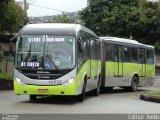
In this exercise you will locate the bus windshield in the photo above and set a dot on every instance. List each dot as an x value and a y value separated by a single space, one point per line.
45 52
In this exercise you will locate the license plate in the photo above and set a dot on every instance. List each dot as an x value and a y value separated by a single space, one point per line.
42 90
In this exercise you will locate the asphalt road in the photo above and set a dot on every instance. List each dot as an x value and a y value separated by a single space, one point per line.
115 102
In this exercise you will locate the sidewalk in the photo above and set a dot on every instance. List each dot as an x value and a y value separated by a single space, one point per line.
153 96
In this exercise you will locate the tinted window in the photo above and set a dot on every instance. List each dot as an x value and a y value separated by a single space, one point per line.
117 53
92 49
133 55
98 50
82 50
120 53
142 55
126 54
108 52
150 57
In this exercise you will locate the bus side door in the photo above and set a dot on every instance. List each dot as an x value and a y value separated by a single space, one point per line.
93 59
142 62
118 63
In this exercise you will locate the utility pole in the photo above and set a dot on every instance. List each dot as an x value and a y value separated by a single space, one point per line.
25 9
25 5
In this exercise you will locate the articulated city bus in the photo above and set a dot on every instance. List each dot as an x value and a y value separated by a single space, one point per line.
57 59
126 63
69 59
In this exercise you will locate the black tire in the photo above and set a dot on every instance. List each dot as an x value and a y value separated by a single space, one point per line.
109 89
81 97
127 89
33 97
106 89
97 90
134 84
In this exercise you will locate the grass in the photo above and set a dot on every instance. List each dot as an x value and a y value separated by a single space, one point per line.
6 76
155 94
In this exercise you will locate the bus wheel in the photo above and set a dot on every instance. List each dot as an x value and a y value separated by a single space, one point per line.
32 97
80 98
97 90
134 84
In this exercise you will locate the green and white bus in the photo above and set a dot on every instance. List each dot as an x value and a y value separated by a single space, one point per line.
57 59
126 63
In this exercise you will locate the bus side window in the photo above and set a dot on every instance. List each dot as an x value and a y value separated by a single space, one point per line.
115 53
118 53
92 49
108 52
97 47
126 54
150 57
133 55
82 48
141 55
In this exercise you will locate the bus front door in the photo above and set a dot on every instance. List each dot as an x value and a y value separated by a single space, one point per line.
142 61
118 65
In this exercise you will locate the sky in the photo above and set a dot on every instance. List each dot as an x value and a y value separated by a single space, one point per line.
63 5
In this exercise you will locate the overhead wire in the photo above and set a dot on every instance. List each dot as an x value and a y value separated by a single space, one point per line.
47 8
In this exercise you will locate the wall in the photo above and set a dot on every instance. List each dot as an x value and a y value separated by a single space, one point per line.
7 66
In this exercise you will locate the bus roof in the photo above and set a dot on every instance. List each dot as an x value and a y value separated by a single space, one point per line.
54 29
125 41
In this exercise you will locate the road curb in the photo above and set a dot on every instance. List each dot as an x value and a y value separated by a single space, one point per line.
147 97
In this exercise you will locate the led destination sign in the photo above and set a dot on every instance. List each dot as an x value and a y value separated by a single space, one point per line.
30 64
36 40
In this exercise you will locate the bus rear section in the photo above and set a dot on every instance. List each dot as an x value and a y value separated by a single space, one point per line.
127 63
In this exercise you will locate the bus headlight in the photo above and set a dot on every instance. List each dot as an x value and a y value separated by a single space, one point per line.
19 81
67 82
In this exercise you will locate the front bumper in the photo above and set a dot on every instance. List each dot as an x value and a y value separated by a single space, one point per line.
51 90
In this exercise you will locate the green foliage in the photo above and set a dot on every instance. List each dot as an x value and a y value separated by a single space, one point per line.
0 68
142 4
123 18
157 47
154 93
10 58
6 76
1 53
12 17
3 8
62 19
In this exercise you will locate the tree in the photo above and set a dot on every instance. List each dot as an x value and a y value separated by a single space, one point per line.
142 4
3 8
123 18
13 17
62 19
